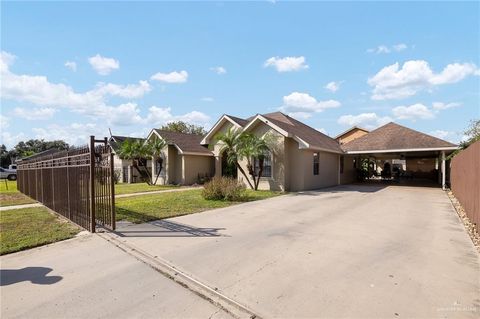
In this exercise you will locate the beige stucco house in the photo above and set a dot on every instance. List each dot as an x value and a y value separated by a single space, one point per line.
302 158
184 160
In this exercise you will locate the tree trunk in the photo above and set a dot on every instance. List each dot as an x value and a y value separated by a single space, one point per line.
244 174
158 174
135 164
260 171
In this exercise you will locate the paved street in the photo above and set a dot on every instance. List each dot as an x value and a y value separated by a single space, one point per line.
351 251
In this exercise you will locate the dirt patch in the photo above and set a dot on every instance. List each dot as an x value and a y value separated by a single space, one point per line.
15 199
469 226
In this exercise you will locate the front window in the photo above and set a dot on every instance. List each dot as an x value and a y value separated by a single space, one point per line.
267 165
316 163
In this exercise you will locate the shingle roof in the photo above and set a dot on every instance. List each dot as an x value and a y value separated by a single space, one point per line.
117 141
313 137
186 142
393 136
239 121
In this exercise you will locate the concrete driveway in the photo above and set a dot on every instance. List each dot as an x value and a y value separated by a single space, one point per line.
87 277
350 251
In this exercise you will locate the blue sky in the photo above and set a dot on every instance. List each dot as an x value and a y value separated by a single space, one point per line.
74 69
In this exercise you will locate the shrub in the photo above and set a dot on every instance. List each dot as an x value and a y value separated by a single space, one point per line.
223 188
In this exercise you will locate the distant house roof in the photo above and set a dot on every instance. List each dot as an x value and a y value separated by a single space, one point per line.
117 140
351 129
308 137
394 137
186 143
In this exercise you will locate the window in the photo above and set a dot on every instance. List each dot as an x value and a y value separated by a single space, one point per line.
159 166
342 162
316 163
267 165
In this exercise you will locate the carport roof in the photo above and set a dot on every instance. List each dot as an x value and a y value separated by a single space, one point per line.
393 137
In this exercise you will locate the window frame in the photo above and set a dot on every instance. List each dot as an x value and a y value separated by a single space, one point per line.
255 163
316 163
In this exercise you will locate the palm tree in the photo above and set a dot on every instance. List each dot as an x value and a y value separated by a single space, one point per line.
231 144
137 152
253 148
155 149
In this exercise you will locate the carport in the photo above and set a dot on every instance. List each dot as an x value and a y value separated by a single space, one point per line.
394 151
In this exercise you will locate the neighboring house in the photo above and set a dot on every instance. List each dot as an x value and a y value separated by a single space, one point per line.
123 167
184 160
351 134
302 158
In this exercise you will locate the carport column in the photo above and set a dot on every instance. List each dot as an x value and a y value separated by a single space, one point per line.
443 170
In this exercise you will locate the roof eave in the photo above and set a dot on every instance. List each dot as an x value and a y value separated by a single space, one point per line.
403 150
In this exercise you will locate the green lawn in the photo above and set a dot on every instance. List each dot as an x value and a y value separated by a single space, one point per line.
31 227
12 196
145 208
125 188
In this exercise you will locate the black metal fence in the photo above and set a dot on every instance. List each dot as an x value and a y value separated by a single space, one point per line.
77 183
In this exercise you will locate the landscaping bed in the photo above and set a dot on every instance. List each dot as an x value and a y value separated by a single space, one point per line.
146 208
31 227
12 196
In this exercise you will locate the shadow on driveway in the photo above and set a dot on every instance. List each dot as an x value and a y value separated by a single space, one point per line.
164 228
36 275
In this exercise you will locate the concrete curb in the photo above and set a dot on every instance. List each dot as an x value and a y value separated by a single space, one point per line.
213 295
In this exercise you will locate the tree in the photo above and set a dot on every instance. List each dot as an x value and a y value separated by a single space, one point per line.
231 142
33 146
183 127
136 151
155 149
5 158
253 148
473 135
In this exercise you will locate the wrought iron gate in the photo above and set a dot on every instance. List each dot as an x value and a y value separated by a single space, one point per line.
77 183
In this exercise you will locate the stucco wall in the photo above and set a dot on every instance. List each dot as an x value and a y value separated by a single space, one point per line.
350 136
277 148
349 171
216 147
194 165
328 170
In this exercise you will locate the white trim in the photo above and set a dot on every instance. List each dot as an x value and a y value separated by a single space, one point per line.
266 121
206 139
195 153
401 150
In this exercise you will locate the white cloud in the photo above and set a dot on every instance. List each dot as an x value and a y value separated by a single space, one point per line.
10 140
39 91
4 122
6 59
125 91
413 112
301 105
43 113
388 49
287 64
322 130
71 65
74 134
207 99
333 86
103 65
219 70
172 77
123 114
366 120
393 82
158 116
443 106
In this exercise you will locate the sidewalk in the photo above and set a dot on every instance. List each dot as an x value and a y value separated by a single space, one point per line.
180 189
87 277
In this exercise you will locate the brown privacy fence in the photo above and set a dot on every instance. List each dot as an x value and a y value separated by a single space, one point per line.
465 180
77 183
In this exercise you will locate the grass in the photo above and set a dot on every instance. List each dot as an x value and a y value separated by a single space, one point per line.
21 229
125 188
146 208
12 196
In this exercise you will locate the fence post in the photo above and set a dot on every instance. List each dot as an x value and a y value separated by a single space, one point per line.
92 183
112 190
53 182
